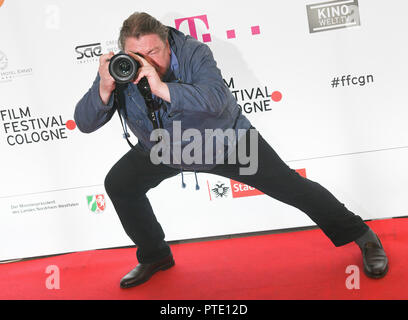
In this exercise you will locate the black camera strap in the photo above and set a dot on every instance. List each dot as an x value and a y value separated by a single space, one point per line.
152 106
119 104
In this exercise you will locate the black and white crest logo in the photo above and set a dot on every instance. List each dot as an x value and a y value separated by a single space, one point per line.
220 190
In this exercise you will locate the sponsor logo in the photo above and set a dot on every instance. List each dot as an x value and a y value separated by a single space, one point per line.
96 203
88 53
333 15
3 61
7 75
192 26
220 190
240 190
21 127
230 189
202 21
223 188
48 206
253 100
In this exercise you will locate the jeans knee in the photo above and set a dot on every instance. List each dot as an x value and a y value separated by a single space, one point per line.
117 184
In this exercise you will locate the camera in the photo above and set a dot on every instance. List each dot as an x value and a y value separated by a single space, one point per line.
123 68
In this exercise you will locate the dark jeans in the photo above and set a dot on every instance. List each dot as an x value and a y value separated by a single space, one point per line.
134 174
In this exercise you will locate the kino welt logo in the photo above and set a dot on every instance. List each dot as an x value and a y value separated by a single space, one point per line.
333 15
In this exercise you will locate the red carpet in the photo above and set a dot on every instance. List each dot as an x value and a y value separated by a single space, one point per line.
296 265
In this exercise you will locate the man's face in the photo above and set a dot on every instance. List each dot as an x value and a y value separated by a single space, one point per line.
153 49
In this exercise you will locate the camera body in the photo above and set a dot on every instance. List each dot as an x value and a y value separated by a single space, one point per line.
123 69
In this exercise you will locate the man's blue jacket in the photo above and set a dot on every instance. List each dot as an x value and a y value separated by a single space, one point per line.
200 99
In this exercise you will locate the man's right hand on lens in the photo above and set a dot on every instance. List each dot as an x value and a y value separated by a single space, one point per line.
107 84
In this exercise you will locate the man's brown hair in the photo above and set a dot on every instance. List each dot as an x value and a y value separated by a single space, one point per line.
140 24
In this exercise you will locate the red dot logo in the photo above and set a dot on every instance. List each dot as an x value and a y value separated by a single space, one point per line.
276 96
71 125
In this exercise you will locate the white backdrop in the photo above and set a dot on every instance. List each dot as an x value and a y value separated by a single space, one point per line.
352 138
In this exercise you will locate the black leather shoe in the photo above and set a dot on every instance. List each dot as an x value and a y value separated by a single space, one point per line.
144 272
375 260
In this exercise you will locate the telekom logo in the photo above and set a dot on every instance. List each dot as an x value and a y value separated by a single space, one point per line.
192 26
231 34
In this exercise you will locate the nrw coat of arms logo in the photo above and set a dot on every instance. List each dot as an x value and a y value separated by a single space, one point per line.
96 203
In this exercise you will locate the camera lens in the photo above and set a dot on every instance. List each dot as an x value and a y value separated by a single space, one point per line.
123 68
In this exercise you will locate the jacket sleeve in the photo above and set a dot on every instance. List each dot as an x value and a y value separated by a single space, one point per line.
90 112
207 91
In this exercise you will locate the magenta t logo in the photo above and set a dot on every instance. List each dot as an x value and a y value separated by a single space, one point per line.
192 26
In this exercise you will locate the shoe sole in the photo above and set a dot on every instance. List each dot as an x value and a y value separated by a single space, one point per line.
162 268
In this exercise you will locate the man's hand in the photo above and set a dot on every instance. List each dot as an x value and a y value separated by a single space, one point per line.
158 87
107 83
